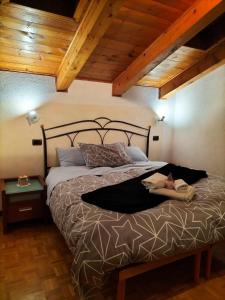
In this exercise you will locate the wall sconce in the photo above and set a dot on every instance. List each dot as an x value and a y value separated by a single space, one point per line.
32 117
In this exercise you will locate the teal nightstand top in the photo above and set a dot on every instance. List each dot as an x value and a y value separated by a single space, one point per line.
12 188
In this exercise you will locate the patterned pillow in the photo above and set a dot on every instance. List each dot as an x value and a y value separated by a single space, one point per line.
108 155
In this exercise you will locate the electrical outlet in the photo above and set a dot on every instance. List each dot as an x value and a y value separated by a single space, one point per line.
155 138
36 142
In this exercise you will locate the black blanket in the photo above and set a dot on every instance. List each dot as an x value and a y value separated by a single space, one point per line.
131 196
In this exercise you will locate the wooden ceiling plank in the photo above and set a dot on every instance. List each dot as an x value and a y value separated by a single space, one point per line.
125 27
124 47
174 3
37 48
103 67
214 58
33 38
91 29
141 18
16 67
110 59
81 10
199 15
155 9
12 23
95 80
20 53
28 61
38 17
133 34
172 66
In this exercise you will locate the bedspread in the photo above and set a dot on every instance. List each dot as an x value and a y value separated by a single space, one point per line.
102 241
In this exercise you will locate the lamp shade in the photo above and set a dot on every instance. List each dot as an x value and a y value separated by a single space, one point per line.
32 117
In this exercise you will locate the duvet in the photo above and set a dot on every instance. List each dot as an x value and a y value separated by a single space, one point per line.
103 241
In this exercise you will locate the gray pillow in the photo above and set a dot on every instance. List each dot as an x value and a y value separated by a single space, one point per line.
108 155
136 153
70 157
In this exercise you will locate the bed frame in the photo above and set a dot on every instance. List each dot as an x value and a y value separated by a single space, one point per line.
134 270
102 126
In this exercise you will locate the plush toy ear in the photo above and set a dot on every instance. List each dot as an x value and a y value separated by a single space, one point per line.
170 177
169 184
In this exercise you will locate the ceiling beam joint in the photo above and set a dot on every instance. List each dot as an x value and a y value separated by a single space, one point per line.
91 29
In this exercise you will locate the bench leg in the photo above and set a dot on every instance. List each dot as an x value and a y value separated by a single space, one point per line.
121 288
197 266
208 262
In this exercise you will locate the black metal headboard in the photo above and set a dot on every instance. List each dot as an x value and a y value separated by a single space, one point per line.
100 125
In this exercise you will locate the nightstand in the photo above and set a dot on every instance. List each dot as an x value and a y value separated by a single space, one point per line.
23 203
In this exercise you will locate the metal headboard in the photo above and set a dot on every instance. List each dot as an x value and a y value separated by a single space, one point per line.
100 125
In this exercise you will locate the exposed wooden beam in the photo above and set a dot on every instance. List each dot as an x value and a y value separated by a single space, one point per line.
96 21
80 10
198 16
214 58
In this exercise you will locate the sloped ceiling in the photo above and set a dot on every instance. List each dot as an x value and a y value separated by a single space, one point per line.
38 40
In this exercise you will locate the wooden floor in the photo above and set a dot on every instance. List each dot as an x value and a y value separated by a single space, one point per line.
35 265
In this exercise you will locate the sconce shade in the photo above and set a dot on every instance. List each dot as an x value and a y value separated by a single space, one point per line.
32 117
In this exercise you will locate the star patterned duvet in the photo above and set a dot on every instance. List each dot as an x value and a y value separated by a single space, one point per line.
102 241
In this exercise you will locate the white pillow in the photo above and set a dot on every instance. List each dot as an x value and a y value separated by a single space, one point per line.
136 153
70 157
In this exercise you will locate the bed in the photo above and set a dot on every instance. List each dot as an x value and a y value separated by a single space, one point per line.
102 241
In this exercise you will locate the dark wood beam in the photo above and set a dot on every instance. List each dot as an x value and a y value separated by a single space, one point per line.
197 17
214 58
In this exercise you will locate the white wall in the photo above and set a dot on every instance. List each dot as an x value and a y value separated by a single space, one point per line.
197 114
20 93
199 124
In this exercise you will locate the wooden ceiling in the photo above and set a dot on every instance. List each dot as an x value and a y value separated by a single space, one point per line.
137 24
173 65
108 41
33 41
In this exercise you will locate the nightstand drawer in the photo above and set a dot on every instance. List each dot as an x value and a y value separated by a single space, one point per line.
25 210
24 197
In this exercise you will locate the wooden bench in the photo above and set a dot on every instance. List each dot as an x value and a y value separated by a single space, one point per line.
137 269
